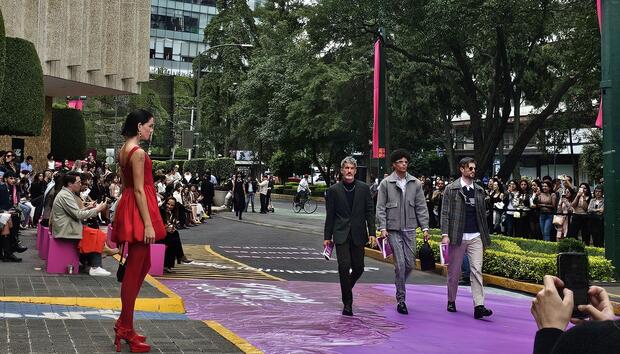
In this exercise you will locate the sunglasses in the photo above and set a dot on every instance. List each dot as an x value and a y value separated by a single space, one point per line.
471 168
8 155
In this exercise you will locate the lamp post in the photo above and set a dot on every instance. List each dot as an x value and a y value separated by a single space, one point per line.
197 80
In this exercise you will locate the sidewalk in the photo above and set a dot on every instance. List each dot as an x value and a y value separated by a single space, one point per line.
61 313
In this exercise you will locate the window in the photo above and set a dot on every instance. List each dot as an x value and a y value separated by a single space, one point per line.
175 20
167 53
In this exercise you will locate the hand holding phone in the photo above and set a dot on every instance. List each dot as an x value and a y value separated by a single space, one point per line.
573 271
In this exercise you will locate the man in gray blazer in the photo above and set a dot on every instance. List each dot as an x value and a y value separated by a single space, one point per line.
401 208
464 228
349 221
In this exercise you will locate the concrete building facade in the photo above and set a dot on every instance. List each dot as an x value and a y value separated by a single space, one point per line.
86 48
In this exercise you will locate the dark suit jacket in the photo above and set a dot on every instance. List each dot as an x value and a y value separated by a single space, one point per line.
5 197
358 221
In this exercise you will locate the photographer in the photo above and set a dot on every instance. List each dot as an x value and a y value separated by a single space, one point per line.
599 334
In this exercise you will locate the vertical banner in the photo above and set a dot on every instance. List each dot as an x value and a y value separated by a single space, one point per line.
378 127
599 117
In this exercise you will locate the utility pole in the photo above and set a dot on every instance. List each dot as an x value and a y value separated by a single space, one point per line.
610 85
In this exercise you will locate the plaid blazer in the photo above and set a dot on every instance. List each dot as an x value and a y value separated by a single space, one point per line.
453 213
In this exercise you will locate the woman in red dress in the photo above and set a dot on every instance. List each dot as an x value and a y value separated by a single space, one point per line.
137 222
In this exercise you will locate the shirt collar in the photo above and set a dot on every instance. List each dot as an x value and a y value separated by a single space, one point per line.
468 186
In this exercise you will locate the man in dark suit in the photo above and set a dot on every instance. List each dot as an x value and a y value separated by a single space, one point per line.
349 222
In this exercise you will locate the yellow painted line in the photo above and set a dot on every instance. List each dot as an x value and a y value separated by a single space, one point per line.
166 305
211 251
239 342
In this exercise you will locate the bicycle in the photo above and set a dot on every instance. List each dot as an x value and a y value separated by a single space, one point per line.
308 205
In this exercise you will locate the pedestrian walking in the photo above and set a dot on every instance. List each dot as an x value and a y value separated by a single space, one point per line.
401 208
349 222
238 192
464 228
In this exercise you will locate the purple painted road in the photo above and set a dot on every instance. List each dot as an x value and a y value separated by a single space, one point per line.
304 317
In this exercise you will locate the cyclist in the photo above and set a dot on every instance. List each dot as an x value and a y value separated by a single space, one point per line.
303 189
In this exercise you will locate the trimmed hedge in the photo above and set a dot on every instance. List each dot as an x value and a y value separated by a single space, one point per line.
220 167
22 106
527 260
68 134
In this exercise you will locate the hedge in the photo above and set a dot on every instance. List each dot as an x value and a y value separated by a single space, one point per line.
22 105
527 260
68 134
220 167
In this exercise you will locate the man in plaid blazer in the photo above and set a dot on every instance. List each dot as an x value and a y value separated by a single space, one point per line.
464 228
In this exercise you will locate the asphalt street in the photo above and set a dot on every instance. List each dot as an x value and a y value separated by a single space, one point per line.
286 245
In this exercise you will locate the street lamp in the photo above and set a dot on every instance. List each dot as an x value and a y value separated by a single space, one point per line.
197 78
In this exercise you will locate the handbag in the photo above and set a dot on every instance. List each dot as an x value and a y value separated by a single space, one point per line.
426 256
92 240
120 272
558 220
516 215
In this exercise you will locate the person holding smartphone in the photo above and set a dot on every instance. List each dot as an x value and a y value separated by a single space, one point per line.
552 312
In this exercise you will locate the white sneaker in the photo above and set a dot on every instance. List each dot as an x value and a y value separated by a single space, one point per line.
98 272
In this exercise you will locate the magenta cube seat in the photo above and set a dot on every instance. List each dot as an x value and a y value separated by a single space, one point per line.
109 241
158 251
61 253
45 241
39 231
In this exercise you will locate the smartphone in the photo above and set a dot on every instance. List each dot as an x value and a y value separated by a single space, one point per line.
573 270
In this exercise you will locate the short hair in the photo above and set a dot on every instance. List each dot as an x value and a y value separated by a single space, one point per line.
465 161
348 160
28 157
69 177
138 116
599 188
547 178
9 174
399 154
49 156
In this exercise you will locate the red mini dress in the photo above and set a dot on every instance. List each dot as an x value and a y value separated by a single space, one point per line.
128 224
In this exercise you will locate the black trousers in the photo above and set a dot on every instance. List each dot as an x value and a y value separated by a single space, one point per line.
597 231
207 204
263 203
350 268
174 248
579 222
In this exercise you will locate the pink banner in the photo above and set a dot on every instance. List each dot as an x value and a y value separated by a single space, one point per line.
76 104
377 77
599 117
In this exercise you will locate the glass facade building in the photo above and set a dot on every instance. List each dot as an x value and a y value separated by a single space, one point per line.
177 32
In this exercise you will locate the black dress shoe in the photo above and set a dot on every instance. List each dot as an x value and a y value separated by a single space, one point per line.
451 306
11 258
347 310
20 249
481 311
402 308
465 282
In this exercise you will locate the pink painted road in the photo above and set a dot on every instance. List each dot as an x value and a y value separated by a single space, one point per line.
304 317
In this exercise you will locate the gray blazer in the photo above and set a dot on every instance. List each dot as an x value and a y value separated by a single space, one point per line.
394 213
453 213
66 218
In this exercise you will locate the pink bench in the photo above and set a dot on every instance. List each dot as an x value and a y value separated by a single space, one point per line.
44 242
39 231
158 252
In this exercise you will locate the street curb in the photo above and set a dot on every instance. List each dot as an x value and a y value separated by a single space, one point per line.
489 279
239 342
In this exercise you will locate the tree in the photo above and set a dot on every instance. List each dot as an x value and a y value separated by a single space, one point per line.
592 155
545 51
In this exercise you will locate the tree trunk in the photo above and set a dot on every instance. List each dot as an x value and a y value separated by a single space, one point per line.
516 173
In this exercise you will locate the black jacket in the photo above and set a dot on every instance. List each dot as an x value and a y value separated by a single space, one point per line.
207 189
5 197
254 186
359 221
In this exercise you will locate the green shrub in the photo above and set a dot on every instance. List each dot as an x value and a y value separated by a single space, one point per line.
528 260
571 245
22 104
195 166
68 134
222 168
159 165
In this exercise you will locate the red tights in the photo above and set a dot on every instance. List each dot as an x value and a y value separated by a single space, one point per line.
136 267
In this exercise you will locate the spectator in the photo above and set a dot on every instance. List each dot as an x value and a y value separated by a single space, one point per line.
272 183
263 186
176 177
115 186
174 247
436 200
51 164
48 198
579 222
238 192
251 187
546 200
522 223
552 313
64 166
562 220
208 192
7 217
8 163
170 177
534 215
26 165
496 199
67 219
596 211
511 200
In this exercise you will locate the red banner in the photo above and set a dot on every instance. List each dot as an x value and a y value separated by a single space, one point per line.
378 127
599 117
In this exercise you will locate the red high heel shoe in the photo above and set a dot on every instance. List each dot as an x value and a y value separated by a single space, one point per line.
140 337
132 338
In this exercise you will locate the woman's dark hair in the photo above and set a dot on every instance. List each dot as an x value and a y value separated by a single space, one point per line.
399 154
528 188
548 184
588 190
139 116
572 194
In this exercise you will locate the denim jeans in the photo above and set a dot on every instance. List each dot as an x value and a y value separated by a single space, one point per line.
546 226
